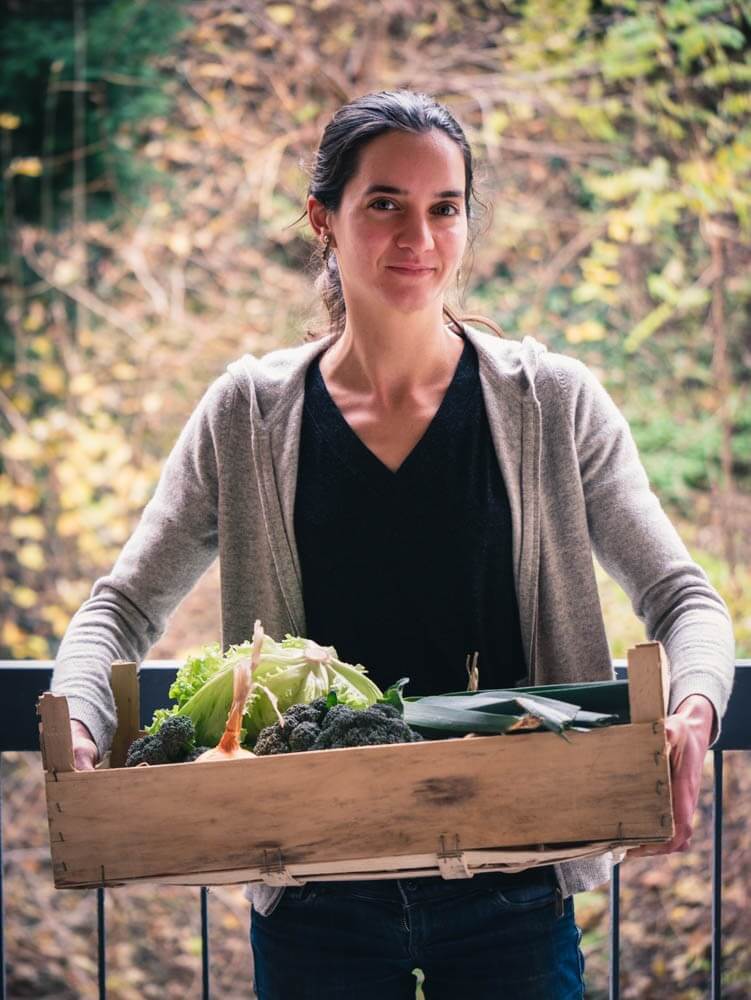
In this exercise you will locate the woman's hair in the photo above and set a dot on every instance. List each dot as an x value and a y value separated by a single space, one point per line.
336 161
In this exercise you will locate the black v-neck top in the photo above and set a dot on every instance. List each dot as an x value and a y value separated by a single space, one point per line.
408 572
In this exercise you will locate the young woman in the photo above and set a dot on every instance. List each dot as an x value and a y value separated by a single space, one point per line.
411 490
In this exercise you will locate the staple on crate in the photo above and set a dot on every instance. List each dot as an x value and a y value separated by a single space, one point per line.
274 871
452 862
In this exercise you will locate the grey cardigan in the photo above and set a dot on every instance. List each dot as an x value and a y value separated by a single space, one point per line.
576 487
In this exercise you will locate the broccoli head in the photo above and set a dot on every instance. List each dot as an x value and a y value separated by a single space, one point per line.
345 727
271 740
303 736
178 736
318 727
146 750
173 742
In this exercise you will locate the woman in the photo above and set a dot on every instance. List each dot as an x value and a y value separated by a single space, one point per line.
412 490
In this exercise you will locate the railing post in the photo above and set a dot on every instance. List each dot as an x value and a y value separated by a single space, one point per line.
615 933
205 942
2 900
717 806
101 941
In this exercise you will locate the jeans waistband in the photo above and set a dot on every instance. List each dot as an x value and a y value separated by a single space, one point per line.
431 885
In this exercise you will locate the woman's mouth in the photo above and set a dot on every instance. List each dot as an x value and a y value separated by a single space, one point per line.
414 272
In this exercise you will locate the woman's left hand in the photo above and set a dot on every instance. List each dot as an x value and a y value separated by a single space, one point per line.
689 730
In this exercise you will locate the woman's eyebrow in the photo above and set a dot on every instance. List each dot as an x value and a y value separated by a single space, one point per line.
388 189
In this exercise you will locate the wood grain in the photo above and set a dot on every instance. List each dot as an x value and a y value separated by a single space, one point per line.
648 682
54 733
342 806
124 680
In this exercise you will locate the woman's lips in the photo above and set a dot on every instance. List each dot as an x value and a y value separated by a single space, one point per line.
414 271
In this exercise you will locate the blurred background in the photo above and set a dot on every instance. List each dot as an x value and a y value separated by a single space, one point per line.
153 162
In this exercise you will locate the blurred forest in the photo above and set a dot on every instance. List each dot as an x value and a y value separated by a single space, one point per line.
153 164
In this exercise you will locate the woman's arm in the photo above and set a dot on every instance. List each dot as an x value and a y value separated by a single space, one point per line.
638 546
174 543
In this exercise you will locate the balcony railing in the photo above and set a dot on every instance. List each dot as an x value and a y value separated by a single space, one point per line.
22 682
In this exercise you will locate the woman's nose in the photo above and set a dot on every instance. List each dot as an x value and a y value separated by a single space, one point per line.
416 234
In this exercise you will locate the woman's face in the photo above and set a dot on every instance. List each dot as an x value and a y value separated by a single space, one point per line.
401 228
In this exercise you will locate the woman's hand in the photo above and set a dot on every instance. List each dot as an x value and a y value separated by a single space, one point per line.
85 753
689 730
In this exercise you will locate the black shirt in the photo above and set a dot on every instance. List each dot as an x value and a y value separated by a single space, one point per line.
408 572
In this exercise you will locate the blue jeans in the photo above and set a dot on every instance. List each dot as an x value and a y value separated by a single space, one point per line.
493 936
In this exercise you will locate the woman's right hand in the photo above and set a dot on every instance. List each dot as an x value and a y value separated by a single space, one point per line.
85 753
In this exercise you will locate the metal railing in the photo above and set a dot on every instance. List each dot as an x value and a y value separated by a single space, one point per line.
23 681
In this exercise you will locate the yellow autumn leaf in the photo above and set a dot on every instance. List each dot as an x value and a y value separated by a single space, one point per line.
25 498
589 330
22 448
76 494
68 523
23 597
281 13
10 634
27 526
72 592
23 403
57 618
35 317
51 379
42 346
6 490
25 166
81 384
31 556
124 372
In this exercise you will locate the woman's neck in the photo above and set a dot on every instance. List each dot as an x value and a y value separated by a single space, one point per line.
392 361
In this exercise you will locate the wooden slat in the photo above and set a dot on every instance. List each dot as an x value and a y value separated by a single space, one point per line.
648 682
395 866
336 805
124 682
54 733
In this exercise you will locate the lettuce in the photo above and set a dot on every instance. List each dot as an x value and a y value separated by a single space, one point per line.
294 671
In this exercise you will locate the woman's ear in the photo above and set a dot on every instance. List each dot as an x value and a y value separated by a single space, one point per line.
318 216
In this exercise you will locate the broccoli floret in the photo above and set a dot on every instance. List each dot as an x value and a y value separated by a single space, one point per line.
339 716
303 736
146 750
195 754
296 714
317 727
271 739
368 727
172 743
390 711
178 736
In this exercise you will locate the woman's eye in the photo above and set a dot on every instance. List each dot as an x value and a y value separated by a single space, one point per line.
454 209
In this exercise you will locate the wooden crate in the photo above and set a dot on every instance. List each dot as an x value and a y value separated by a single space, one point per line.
452 807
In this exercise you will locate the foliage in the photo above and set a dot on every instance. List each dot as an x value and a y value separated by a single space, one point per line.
613 140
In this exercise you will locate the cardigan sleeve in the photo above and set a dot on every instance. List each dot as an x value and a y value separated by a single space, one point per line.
174 542
636 543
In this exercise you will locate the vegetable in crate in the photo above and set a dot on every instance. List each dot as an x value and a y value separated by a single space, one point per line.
174 743
229 747
318 726
294 671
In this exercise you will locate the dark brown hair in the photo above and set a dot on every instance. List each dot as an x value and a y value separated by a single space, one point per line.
336 161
